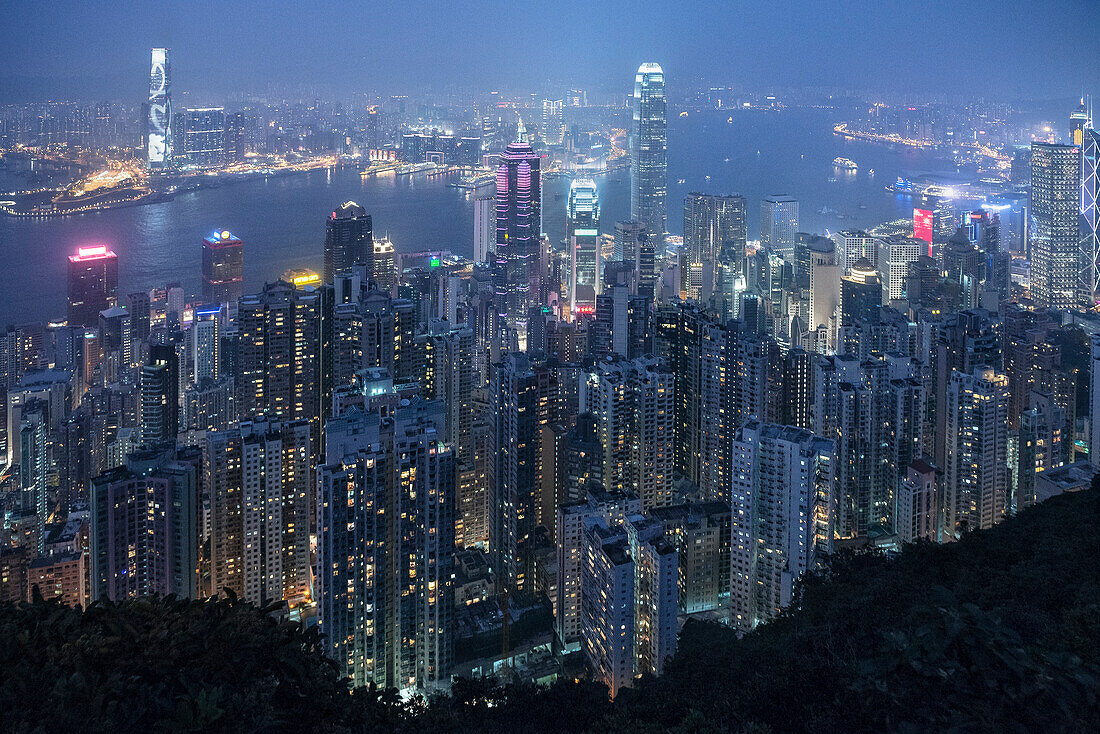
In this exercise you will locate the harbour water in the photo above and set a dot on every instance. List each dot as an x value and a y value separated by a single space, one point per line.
282 219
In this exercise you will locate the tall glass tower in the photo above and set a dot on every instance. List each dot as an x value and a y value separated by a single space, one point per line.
519 225
648 150
159 129
583 223
1055 217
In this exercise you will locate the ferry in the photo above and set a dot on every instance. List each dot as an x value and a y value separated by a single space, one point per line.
846 164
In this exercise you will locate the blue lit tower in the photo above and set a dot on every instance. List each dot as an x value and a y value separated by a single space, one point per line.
519 225
583 224
1090 214
648 150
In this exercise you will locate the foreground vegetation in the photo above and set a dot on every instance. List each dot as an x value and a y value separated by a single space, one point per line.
1000 632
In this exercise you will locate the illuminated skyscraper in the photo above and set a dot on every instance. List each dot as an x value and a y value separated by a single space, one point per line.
222 268
93 284
552 127
715 229
348 239
160 379
484 228
519 224
159 125
779 225
583 226
1090 216
1055 215
204 137
385 266
1080 120
649 150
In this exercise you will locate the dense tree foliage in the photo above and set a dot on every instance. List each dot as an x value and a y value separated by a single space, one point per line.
999 632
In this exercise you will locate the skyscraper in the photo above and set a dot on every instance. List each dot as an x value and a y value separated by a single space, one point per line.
583 233
1055 216
144 526
160 411
222 268
779 225
93 284
976 471
894 255
204 137
386 546
257 477
648 150
484 228
1090 217
715 229
781 499
519 225
348 239
158 132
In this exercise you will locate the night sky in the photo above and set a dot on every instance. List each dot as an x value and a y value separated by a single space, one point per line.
1001 48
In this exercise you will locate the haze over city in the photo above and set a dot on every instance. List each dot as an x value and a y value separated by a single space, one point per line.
550 367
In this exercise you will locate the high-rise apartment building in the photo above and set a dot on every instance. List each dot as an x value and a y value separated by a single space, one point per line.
386 520
160 403
779 225
649 150
582 236
145 525
93 284
222 268
782 494
918 506
1055 224
976 469
348 239
257 478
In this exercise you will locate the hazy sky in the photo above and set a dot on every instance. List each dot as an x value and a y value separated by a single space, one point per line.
1005 48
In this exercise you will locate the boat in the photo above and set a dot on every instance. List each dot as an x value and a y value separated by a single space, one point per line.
846 164
827 210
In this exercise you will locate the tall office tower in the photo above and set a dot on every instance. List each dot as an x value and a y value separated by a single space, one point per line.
205 137
160 410
348 239
646 266
158 132
627 236
779 225
824 283
621 324
222 268
917 513
116 340
649 151
484 228
279 353
676 341
138 306
385 266
93 284
518 226
205 348
715 229
1090 216
257 477
519 405
894 255
582 214
853 245
1039 448
386 522
781 497
629 600
553 128
1055 224
860 293
633 403
976 470
573 519
1080 120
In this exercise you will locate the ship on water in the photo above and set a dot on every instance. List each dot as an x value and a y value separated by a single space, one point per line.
846 164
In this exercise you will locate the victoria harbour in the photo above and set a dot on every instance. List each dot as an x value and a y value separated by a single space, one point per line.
754 153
